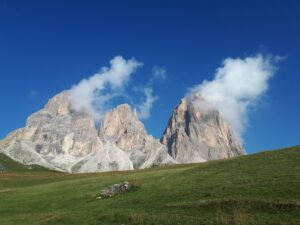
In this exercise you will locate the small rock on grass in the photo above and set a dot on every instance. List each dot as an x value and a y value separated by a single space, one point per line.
114 190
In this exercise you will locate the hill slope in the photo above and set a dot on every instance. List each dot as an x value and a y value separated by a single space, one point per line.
255 189
9 165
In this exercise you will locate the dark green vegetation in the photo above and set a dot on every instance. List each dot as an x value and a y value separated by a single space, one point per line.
9 165
257 189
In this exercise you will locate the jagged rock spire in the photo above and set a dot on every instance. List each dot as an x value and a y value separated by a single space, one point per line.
194 134
122 127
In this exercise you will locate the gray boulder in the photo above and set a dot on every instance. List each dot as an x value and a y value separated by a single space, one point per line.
115 189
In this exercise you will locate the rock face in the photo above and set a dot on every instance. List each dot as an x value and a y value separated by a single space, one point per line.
107 158
197 135
115 189
54 137
122 127
58 138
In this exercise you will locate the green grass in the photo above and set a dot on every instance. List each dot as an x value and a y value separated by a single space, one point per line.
257 189
9 165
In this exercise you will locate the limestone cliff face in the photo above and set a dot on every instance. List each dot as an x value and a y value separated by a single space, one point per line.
122 127
195 135
54 137
58 138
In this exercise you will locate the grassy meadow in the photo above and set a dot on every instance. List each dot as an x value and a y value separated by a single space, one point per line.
263 188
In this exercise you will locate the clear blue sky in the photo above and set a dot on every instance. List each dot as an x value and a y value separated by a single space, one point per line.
47 46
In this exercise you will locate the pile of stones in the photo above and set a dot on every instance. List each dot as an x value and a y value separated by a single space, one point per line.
114 190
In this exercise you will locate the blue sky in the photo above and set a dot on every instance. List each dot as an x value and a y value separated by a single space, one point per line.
47 46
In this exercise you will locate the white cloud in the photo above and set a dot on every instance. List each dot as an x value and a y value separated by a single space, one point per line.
92 95
143 110
159 73
237 86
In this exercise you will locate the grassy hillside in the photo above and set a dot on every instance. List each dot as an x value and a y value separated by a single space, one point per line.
255 189
9 165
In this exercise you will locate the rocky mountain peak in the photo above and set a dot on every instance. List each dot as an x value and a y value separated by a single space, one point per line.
53 137
122 127
59 138
122 117
196 133
60 104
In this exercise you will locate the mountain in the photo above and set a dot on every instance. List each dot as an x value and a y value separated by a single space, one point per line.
197 134
125 145
122 128
59 138
54 137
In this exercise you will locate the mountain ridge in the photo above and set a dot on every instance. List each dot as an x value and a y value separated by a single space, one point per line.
57 137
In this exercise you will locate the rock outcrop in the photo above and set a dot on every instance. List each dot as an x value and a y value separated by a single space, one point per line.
114 190
107 158
197 134
122 128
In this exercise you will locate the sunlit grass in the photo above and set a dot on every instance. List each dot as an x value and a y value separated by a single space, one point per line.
255 189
